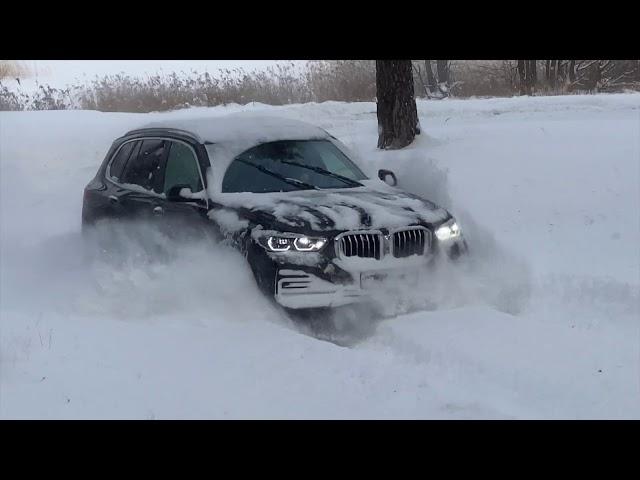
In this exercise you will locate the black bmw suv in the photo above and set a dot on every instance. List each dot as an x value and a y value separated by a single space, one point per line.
315 230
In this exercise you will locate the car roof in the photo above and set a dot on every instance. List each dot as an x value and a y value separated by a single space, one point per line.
240 128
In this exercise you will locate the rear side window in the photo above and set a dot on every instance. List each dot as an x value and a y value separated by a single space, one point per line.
120 160
142 169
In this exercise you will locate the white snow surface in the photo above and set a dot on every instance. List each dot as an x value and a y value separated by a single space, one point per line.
242 128
543 322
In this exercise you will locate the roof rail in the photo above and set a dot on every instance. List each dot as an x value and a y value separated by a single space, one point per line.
164 130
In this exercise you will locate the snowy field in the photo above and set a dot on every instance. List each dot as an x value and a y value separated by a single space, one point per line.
544 323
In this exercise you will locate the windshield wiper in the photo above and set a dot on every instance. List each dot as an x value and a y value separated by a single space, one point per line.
324 172
300 182
291 181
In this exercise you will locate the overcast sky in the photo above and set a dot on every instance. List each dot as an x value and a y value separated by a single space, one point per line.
59 73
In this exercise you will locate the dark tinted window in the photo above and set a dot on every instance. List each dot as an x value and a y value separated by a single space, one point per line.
291 165
182 168
143 168
120 160
241 177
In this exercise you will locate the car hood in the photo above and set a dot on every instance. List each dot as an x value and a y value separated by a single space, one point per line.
335 210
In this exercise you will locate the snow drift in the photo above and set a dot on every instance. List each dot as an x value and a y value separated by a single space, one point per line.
540 322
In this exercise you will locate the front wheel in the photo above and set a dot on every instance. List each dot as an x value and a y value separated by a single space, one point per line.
262 267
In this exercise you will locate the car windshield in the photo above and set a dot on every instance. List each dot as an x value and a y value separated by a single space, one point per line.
291 165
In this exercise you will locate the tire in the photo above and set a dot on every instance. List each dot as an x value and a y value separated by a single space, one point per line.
263 269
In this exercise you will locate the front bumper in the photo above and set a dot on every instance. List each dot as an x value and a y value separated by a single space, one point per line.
358 281
301 289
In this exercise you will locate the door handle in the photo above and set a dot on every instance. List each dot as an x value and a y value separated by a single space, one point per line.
113 199
158 211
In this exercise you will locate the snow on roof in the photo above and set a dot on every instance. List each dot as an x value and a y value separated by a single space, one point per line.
227 136
232 134
246 129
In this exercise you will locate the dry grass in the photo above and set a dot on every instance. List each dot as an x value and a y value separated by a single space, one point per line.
340 80
13 69
349 81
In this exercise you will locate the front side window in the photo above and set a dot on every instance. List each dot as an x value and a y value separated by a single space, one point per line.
182 168
288 165
142 169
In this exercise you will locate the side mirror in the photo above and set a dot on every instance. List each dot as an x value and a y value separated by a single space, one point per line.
177 194
388 177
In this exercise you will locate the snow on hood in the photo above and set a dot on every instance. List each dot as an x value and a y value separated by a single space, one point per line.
337 209
374 205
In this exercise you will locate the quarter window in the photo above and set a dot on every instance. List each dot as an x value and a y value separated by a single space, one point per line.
120 160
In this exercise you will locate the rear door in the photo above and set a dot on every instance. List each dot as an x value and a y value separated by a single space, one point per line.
102 194
137 195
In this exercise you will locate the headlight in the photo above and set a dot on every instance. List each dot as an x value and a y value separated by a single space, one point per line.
448 230
308 244
297 243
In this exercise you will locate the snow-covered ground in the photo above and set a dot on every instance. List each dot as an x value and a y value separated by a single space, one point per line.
544 323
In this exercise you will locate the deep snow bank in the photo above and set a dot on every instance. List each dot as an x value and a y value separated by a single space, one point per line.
543 322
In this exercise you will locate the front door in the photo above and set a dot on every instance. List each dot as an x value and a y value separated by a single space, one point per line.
184 217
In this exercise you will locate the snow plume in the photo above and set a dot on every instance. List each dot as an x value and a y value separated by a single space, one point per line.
134 272
424 177
157 276
228 220
492 274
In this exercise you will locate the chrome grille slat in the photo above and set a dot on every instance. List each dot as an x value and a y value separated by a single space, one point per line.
402 242
360 244
410 241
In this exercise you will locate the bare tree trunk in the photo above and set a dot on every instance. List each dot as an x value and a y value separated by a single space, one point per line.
425 88
560 73
595 75
572 71
533 75
431 79
547 71
396 105
443 71
522 72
